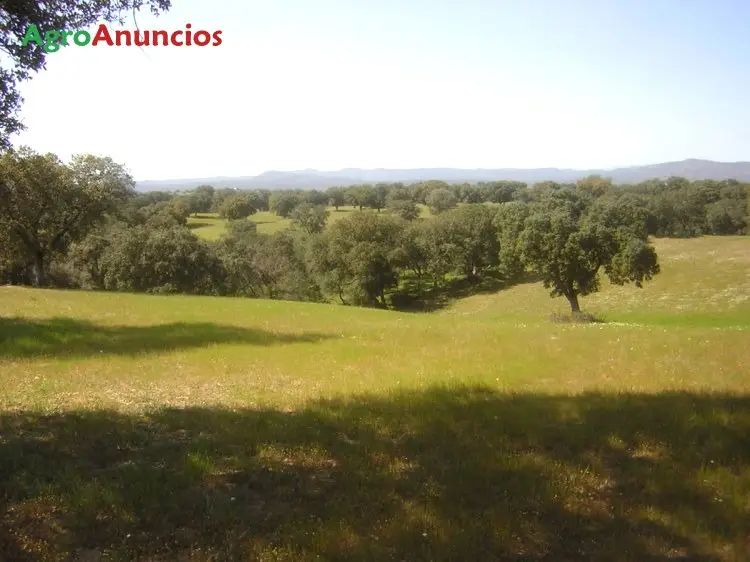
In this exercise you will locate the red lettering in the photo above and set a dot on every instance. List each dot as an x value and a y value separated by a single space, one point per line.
202 38
102 34
174 39
217 38
189 34
163 34
144 41
119 35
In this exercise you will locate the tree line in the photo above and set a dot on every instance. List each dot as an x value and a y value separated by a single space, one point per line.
82 225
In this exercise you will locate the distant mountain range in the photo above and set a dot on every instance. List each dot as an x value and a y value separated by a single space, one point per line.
313 179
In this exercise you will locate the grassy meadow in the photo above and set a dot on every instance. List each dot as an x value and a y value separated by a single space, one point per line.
137 427
210 227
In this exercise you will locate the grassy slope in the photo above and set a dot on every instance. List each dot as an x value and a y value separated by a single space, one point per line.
480 432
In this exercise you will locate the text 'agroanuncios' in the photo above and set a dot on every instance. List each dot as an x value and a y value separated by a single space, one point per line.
52 40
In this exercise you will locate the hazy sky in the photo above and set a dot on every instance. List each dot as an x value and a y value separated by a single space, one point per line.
406 83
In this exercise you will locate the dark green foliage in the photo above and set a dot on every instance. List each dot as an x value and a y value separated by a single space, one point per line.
283 202
440 200
265 266
422 190
404 208
148 259
237 206
566 234
469 230
336 197
201 199
220 195
566 245
509 223
45 205
494 192
315 198
310 218
678 208
727 216
165 213
356 258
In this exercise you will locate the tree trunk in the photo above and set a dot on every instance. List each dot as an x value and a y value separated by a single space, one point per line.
573 300
40 278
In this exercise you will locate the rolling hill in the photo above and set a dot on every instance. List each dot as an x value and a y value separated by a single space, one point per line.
692 169
144 427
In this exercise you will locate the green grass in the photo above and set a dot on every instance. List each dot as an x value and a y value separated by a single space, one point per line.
162 428
210 227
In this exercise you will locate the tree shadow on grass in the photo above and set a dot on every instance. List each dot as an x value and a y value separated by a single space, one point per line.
68 337
197 225
410 298
442 474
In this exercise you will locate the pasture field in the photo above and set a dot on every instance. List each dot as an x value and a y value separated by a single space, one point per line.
210 227
136 427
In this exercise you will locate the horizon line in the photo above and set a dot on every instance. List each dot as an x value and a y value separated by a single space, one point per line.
304 170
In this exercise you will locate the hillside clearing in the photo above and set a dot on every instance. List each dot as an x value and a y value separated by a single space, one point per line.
210 227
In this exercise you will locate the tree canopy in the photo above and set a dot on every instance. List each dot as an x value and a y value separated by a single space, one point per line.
567 245
81 225
45 204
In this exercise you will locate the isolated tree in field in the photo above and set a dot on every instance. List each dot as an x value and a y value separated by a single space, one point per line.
236 207
379 196
20 61
201 199
260 198
336 197
45 205
310 218
356 195
567 247
371 197
220 195
440 200
283 203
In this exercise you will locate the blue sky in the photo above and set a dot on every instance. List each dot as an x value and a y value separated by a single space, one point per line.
403 84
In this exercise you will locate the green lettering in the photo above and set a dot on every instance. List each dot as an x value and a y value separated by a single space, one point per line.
82 38
32 36
51 41
65 35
